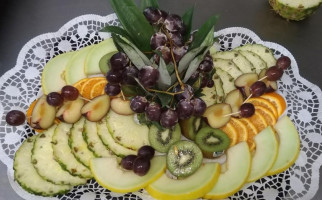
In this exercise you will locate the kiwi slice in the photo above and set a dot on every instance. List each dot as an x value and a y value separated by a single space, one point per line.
212 140
191 126
161 140
184 158
104 63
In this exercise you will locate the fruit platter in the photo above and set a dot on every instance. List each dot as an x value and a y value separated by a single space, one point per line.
137 105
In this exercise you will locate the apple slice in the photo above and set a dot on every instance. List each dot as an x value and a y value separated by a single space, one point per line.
238 166
43 114
109 174
70 111
217 115
271 86
244 81
191 187
121 106
97 108
265 154
235 99
289 145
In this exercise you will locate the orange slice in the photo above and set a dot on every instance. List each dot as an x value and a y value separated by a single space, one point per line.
256 101
98 88
277 100
267 114
259 121
86 88
241 129
80 83
251 130
231 133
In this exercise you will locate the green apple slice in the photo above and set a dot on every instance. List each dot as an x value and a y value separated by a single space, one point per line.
238 166
265 154
75 67
53 75
109 174
191 187
93 58
289 145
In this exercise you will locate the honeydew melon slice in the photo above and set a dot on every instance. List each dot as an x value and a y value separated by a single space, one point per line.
75 67
256 60
238 165
241 61
191 187
28 178
109 174
265 154
289 145
53 75
228 66
92 61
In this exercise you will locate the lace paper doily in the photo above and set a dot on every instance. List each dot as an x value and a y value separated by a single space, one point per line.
21 84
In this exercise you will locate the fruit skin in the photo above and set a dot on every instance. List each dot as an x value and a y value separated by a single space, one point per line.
121 106
118 180
70 112
96 109
293 13
43 114
289 146
192 187
216 115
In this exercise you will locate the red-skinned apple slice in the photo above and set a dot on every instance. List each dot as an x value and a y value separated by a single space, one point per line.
97 108
235 99
271 86
70 112
121 106
218 115
244 81
43 114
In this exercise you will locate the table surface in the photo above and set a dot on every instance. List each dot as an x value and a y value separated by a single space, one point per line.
21 21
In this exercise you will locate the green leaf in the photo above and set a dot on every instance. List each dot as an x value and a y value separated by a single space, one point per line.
170 68
164 80
209 40
165 99
187 21
158 125
131 90
187 58
117 30
149 3
203 32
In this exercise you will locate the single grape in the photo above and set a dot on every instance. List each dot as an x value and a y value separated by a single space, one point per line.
154 15
138 104
187 94
114 77
199 107
274 73
184 109
54 99
129 74
247 110
158 39
204 82
119 61
15 117
194 76
179 52
112 90
173 23
148 76
168 118
153 111
176 39
166 54
146 151
283 62
210 84
69 92
258 88
206 66
208 57
127 162
141 166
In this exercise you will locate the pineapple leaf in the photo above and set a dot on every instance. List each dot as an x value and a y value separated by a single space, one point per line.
149 3
188 57
164 80
131 90
165 99
187 21
116 30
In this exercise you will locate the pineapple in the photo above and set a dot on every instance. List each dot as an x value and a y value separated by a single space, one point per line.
295 9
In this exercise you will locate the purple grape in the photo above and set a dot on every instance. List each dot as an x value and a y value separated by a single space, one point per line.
154 15
153 111
158 39
141 166
173 23
119 61
258 88
199 107
128 75
283 62
184 109
15 117
168 118
127 162
179 52
54 99
146 151
210 83
69 92
177 39
138 104
274 73
112 90
208 57
166 54
187 94
204 82
148 76
194 76
206 66
247 110
114 77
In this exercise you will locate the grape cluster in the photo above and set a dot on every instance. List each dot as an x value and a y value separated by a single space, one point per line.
140 163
